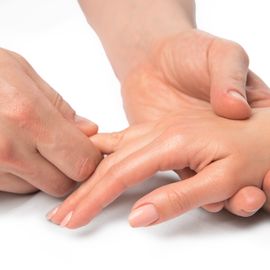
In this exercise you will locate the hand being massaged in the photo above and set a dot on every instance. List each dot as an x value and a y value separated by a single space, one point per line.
226 155
162 60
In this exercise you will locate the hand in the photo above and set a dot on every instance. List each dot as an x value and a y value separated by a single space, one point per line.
42 145
189 68
226 155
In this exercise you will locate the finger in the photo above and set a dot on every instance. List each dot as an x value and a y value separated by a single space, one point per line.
266 189
228 70
208 186
258 93
130 171
67 148
13 184
214 207
86 188
43 175
108 143
255 82
246 202
88 127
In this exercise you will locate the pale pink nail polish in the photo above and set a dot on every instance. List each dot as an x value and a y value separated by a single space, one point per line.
51 214
66 220
252 211
143 216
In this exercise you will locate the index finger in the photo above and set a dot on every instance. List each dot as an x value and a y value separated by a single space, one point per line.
134 169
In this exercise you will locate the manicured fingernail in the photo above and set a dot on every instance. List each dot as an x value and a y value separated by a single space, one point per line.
66 220
236 94
51 214
252 211
143 216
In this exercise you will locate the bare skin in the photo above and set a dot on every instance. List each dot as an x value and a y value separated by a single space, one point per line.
140 29
166 80
226 156
39 130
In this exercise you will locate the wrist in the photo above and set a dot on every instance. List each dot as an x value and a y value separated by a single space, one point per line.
129 29
137 49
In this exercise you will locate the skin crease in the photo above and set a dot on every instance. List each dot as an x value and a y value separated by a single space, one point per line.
31 156
227 156
128 41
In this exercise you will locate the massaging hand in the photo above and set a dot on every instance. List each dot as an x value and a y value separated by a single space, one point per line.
226 155
189 68
42 145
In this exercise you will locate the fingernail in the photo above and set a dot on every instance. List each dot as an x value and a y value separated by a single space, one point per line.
252 211
236 94
51 214
66 220
78 118
143 216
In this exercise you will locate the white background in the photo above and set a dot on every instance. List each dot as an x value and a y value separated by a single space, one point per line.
54 37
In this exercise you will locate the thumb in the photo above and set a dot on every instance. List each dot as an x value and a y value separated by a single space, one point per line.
86 126
228 69
208 186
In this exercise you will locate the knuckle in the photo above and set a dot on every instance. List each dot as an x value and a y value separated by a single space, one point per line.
20 112
178 201
175 136
116 181
57 101
113 172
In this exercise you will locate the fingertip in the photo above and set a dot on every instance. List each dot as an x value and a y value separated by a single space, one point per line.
214 207
88 127
143 216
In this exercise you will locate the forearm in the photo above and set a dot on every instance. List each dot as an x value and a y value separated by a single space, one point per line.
129 28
